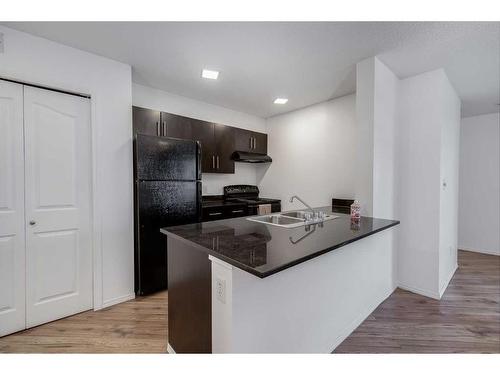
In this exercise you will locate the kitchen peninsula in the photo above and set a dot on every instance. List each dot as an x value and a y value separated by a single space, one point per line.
244 286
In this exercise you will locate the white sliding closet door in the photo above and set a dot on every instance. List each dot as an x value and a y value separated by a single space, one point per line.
12 247
58 205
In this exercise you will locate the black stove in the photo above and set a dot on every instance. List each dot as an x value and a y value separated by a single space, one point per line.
249 194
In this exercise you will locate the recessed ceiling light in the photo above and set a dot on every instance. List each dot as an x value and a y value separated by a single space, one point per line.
210 74
280 101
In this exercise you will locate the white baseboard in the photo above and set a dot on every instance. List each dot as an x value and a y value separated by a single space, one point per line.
481 251
117 300
358 320
170 350
447 281
423 292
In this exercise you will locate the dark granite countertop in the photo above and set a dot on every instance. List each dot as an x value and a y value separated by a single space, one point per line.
263 250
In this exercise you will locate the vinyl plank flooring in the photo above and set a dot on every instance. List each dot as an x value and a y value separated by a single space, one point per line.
465 320
137 326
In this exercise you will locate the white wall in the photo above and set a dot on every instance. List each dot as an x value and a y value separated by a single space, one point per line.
376 108
148 97
365 112
313 151
36 60
428 113
479 192
449 164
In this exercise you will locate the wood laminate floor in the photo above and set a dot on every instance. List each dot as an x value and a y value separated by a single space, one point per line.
465 320
137 326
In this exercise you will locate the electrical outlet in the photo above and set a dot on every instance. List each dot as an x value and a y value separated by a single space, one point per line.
220 289
1 43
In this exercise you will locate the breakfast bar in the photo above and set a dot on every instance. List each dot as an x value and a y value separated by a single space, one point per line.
253 285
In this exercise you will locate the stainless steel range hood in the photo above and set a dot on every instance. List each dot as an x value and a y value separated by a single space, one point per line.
250 157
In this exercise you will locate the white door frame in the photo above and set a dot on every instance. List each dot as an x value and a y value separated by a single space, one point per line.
95 216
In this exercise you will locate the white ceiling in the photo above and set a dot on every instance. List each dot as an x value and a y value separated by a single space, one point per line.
304 62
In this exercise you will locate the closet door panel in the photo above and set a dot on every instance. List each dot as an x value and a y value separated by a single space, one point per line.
12 243
58 201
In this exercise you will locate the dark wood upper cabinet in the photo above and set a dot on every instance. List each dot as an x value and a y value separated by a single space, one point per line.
146 121
243 140
204 133
224 147
260 143
249 141
177 126
218 142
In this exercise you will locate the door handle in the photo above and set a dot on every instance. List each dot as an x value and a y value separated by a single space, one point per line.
158 128
32 222
218 162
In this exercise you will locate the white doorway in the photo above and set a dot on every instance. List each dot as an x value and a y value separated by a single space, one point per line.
50 276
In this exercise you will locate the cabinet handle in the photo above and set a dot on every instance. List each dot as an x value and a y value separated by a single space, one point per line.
213 161
158 128
218 162
254 143
164 128
236 211
251 142
214 213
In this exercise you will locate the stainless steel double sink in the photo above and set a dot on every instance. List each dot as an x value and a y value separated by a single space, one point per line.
290 219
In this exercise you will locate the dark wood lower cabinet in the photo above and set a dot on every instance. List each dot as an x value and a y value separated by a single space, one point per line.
224 212
189 298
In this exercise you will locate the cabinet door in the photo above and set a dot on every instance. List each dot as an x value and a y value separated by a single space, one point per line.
213 213
259 143
146 121
204 133
242 140
224 141
176 126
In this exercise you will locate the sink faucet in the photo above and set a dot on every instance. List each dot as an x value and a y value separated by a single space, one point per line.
304 203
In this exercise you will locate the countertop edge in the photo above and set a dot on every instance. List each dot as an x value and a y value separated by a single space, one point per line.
263 275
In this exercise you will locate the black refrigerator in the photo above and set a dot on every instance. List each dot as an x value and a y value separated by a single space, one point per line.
167 192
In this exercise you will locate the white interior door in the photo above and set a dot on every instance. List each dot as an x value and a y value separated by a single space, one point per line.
12 249
58 205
